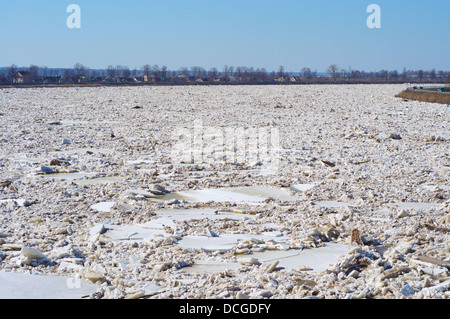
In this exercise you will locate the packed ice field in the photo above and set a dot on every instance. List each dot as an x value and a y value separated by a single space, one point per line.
246 192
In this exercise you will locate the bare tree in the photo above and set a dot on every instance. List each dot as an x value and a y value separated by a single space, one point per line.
11 72
80 70
34 73
111 71
261 74
393 75
404 74
420 74
163 73
94 74
240 73
184 71
156 71
384 74
250 74
146 69
281 72
3 78
226 70
119 70
333 70
197 70
306 73
126 72
212 73
67 74
44 71
433 74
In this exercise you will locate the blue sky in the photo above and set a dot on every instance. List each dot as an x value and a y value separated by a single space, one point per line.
213 33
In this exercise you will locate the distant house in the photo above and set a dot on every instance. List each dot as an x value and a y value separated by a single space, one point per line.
139 78
21 77
18 78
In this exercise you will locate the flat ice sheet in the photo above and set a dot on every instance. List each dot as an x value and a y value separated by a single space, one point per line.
103 206
205 267
27 286
333 204
168 217
417 206
248 195
318 259
302 187
225 242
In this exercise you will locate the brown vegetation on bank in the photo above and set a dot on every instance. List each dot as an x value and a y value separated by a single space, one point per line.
421 96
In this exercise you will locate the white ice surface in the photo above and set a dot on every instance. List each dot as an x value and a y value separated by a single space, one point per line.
333 204
27 286
247 195
416 206
103 207
318 259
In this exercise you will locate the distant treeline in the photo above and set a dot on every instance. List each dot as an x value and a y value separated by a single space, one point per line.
148 74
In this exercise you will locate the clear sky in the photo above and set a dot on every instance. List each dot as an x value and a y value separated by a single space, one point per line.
414 34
